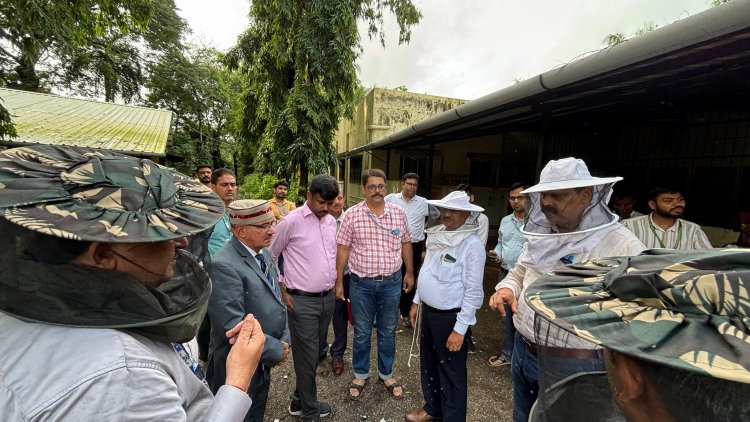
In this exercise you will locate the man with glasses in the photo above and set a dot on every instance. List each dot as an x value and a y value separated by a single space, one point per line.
245 281
307 239
374 239
417 211
506 252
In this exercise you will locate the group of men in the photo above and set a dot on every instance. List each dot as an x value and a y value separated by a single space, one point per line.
112 229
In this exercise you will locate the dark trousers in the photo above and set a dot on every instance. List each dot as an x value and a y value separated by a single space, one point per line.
308 323
507 337
258 391
340 319
203 338
407 298
444 375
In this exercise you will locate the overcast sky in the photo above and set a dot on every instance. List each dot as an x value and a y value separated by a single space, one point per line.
470 48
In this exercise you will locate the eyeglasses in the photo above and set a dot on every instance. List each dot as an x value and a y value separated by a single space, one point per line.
263 227
516 198
373 188
414 185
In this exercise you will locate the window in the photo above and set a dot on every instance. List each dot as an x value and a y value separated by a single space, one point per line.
355 169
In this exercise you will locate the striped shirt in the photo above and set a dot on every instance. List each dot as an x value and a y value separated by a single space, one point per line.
374 241
683 235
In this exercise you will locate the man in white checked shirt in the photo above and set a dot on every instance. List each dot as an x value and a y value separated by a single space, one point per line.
664 228
375 239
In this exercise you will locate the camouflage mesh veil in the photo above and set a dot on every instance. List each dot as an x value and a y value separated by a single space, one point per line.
686 310
89 195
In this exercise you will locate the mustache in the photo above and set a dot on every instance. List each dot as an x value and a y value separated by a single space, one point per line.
549 209
377 194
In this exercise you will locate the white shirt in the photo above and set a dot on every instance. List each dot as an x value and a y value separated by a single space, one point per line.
683 235
451 277
416 211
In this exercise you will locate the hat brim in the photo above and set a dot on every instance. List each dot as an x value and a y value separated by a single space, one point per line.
580 299
440 204
571 184
44 201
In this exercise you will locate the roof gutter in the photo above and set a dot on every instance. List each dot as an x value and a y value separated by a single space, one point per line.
713 23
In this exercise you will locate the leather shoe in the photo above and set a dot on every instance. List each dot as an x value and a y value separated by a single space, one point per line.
420 415
337 365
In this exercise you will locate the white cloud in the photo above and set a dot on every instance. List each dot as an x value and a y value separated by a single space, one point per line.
470 48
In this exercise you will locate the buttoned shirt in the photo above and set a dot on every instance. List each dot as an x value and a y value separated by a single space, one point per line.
451 278
683 235
416 210
220 235
309 247
281 211
509 241
374 241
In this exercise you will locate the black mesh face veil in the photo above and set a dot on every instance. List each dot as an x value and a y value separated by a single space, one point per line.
37 284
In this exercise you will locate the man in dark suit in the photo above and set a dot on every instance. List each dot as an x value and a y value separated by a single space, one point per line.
246 281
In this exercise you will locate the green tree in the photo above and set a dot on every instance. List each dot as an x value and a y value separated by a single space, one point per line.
206 99
33 29
299 59
116 63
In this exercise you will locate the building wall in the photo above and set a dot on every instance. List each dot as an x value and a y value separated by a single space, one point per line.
381 113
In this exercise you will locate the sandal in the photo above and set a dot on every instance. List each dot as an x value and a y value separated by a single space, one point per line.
497 361
357 387
392 387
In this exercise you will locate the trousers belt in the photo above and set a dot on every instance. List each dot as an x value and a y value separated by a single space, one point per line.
440 311
381 277
295 292
561 352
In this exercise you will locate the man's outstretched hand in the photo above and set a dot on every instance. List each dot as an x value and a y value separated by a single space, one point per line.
247 340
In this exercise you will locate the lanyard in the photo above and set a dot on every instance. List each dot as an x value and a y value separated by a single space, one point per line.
677 241
281 209
394 231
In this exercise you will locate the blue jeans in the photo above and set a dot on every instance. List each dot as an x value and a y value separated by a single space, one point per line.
527 385
508 335
525 369
374 301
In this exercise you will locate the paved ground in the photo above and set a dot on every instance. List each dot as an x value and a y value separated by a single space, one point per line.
490 389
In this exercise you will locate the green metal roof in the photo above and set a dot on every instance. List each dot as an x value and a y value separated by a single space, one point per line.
54 120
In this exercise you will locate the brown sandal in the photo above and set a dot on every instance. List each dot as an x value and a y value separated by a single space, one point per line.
392 387
357 387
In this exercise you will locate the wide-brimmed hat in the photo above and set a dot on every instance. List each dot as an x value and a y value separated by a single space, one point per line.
456 200
567 173
686 310
93 195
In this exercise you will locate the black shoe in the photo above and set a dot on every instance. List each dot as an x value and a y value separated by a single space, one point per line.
325 409
472 348
405 322
295 408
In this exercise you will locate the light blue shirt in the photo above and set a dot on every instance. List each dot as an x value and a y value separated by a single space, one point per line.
509 241
221 234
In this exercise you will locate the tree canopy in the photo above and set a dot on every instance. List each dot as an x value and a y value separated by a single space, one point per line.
299 58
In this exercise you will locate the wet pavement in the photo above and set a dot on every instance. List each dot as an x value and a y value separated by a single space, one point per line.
490 389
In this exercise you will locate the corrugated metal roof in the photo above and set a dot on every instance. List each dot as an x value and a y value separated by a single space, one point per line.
54 120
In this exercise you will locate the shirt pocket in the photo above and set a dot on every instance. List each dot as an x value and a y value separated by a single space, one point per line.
447 271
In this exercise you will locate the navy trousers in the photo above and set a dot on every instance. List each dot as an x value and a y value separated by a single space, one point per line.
444 374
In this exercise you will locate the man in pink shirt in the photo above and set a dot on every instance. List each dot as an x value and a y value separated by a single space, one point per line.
307 239
375 239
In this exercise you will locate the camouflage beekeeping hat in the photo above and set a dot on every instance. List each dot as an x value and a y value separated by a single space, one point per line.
94 195
686 310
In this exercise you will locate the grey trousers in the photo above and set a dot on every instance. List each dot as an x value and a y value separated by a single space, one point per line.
308 324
